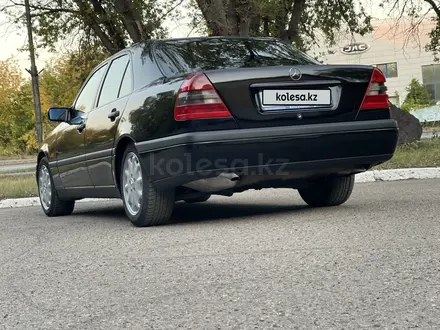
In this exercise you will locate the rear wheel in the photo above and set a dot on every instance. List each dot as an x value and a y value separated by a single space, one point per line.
328 192
50 202
144 204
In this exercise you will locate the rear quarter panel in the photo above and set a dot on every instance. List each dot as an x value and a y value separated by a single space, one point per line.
149 113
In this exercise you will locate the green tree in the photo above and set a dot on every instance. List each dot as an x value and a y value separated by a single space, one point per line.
113 25
418 96
24 135
59 84
17 118
10 84
63 76
110 25
296 21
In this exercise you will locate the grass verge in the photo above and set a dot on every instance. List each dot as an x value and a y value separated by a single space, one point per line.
424 153
18 186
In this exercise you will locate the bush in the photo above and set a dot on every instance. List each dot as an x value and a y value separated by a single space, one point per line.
418 97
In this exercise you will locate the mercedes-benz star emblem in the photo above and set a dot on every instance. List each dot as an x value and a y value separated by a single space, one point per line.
295 74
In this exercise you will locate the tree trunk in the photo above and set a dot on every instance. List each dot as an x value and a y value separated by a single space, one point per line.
281 19
90 20
254 27
215 15
266 26
227 17
233 20
297 9
112 31
244 29
131 20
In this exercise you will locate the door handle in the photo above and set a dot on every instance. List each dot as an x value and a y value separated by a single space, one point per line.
113 114
81 127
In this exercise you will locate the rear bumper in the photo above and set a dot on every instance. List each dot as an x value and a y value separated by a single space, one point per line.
308 150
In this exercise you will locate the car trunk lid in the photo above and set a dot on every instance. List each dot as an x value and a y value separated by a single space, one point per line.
297 95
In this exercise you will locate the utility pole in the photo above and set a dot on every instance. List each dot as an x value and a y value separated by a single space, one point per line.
34 74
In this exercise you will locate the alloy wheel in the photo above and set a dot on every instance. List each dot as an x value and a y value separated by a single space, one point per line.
45 187
132 183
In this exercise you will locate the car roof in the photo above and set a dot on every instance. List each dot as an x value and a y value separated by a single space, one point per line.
215 37
143 43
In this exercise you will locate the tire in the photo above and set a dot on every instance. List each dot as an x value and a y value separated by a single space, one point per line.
52 206
200 199
328 192
153 207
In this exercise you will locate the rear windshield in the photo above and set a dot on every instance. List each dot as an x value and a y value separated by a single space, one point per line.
177 57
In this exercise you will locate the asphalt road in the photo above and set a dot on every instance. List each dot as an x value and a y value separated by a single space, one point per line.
258 260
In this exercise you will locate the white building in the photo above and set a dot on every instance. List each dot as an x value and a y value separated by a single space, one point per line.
398 53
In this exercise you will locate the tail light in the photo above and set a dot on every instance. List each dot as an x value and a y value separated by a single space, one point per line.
376 96
197 99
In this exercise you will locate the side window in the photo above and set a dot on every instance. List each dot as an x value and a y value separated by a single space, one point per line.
113 79
145 70
173 63
84 102
126 87
166 63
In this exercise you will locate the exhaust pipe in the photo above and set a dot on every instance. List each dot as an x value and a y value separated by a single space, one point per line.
218 183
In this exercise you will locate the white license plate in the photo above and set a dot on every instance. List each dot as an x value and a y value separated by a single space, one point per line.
296 97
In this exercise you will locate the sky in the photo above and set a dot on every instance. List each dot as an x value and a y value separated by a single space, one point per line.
13 38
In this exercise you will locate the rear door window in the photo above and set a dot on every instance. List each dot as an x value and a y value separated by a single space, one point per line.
145 67
112 83
222 53
126 86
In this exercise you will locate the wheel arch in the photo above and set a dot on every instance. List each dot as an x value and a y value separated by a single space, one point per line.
43 152
122 143
41 155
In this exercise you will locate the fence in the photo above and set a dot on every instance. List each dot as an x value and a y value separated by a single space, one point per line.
429 115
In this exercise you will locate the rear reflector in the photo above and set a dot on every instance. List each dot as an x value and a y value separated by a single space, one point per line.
376 96
197 99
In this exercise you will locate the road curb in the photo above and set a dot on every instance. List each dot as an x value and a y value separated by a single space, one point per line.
366 177
399 174
35 201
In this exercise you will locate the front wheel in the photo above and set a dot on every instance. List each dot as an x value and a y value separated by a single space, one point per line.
329 191
144 204
50 202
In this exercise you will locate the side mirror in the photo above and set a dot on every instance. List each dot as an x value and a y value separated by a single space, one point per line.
58 114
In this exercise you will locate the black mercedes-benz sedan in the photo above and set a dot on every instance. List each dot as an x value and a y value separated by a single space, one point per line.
183 119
